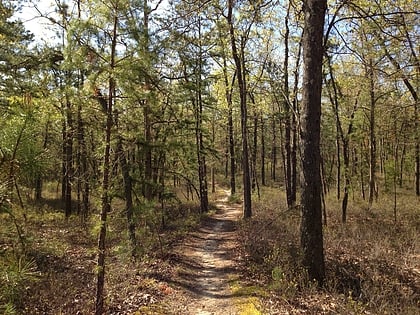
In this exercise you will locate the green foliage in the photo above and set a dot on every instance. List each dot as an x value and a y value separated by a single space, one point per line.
24 158
17 273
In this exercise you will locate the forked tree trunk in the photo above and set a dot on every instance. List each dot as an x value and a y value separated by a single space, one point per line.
342 137
414 91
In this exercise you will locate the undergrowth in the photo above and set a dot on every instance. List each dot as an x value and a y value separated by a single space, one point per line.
55 273
372 262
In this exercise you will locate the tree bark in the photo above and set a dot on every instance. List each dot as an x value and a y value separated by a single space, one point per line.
414 94
39 179
274 149
286 106
263 151
240 72
372 135
198 111
128 196
295 117
230 136
68 169
311 225
148 167
106 199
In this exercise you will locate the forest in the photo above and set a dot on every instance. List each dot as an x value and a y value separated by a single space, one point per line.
209 157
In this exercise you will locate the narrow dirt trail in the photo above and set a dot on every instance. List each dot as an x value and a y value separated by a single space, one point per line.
206 263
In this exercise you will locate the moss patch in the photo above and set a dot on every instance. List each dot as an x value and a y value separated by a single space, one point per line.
247 298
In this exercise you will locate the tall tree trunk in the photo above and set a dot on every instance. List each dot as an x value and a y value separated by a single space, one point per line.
148 159
254 150
311 225
39 179
295 117
201 159
362 172
68 170
263 151
414 91
230 136
417 147
213 170
402 160
202 167
128 196
106 199
274 148
228 95
346 158
231 150
83 172
334 96
286 106
240 72
372 135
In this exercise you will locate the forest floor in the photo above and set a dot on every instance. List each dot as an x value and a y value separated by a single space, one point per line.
198 275
213 264
207 266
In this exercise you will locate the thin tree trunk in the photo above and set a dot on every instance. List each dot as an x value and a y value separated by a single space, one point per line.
362 177
84 175
254 151
106 199
274 149
402 160
414 93
344 138
232 152
287 118
68 175
228 96
39 179
212 170
295 117
240 72
230 130
262 151
128 196
148 159
372 136
202 167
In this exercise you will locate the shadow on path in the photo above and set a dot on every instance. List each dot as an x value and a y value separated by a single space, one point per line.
206 265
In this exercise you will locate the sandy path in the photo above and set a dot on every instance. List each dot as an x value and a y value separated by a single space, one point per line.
206 263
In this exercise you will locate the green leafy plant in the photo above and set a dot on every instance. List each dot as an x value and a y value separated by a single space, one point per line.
17 273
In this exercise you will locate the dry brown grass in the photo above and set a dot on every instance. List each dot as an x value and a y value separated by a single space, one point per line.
372 262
